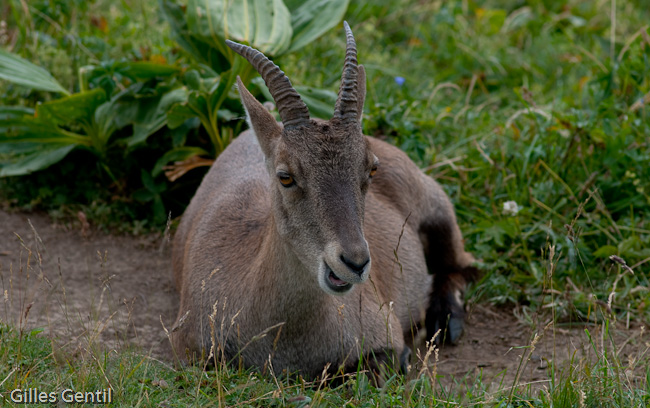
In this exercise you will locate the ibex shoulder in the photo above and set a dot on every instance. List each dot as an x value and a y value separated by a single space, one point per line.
399 182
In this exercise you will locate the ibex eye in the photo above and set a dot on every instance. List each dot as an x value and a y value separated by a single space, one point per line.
286 179
373 171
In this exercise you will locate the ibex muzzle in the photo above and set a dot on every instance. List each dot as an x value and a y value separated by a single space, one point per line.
292 213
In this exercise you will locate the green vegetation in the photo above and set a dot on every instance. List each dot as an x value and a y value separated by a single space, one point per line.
138 380
30 361
532 114
117 105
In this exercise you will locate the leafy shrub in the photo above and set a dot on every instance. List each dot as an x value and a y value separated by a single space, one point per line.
121 103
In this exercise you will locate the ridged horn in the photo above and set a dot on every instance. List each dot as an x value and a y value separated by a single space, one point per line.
346 104
292 109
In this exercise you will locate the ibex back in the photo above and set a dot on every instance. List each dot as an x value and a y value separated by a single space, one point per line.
310 244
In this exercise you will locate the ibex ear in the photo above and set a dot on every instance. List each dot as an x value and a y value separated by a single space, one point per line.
259 119
361 91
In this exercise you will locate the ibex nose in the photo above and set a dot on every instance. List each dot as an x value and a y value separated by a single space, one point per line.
356 266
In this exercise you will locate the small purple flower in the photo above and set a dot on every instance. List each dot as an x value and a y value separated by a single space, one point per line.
399 80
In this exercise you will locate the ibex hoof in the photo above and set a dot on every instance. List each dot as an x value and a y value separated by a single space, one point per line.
445 318
404 360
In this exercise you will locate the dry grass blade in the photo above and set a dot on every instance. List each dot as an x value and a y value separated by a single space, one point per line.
178 169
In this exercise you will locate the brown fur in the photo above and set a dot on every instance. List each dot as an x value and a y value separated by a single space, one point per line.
249 253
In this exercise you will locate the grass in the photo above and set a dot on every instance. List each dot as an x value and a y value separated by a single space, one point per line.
534 102
33 361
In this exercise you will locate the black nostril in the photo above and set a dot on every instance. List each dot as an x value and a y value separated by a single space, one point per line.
355 267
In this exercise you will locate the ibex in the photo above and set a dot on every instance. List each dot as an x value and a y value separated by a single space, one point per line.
310 245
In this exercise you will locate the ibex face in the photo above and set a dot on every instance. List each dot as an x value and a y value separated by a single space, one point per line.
319 171
320 175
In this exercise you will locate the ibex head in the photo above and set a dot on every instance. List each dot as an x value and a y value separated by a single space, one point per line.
319 170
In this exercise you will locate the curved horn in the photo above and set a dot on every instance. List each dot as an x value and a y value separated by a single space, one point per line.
292 109
346 104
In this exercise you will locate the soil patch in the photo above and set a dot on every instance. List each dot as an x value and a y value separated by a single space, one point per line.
118 291
82 285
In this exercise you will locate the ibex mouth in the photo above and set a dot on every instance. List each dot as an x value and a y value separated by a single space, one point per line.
335 283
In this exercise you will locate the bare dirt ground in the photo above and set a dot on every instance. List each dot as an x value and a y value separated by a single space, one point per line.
84 287
114 289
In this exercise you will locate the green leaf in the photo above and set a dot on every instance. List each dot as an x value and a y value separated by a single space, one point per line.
149 122
22 72
605 251
36 160
76 107
144 70
178 114
227 115
28 144
200 50
159 212
319 101
633 248
150 184
312 18
197 101
292 5
7 112
263 24
498 231
19 127
193 79
151 192
105 124
143 195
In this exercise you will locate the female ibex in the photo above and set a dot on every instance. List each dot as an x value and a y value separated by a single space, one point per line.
309 244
